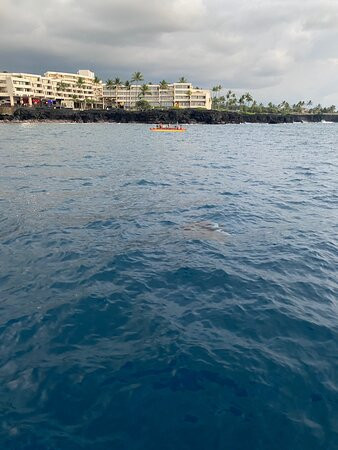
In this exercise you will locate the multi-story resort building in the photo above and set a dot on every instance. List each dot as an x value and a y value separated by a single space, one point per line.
84 90
180 95
64 89
77 90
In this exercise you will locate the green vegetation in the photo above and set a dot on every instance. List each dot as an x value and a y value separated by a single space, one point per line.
80 82
137 77
61 86
217 89
163 85
189 94
144 90
247 104
229 101
89 102
110 84
117 84
142 105
127 85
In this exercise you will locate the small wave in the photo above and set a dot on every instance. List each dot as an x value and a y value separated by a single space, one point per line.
230 194
144 182
101 224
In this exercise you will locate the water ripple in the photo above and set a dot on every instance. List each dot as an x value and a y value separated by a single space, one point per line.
183 299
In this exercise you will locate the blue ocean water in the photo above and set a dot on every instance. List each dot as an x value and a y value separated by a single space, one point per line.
129 321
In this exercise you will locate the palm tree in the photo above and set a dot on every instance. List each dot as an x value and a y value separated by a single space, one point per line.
75 99
80 83
214 98
109 84
221 101
217 89
61 86
318 109
228 96
297 107
272 108
128 87
233 100
144 90
189 94
142 105
97 81
89 102
241 100
248 97
137 77
117 83
162 87
182 80
284 107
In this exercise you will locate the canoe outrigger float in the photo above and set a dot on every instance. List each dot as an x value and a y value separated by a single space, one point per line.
168 128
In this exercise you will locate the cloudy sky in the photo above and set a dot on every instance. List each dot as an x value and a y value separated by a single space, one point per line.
277 49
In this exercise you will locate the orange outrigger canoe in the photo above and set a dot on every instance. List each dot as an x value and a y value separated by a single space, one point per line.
168 128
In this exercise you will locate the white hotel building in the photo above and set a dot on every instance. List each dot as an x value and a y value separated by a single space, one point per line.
65 89
84 90
179 95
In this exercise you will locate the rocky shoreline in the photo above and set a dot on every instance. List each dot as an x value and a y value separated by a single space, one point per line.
188 116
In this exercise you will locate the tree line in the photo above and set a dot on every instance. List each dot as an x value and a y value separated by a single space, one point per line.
137 78
246 103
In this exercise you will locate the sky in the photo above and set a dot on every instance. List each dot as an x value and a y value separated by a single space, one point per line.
276 49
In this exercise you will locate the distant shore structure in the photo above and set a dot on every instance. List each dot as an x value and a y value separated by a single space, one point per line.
83 90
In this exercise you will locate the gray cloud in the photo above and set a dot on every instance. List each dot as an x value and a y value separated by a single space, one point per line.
279 49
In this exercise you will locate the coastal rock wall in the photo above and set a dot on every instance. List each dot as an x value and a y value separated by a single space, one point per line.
158 116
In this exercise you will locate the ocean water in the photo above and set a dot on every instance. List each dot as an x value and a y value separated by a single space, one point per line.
168 292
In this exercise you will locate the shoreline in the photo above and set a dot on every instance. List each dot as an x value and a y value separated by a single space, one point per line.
102 122
181 116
